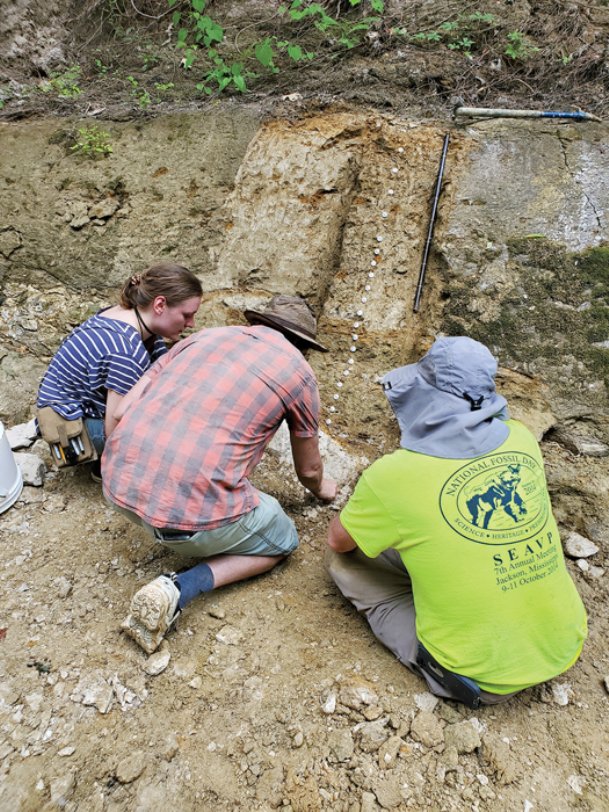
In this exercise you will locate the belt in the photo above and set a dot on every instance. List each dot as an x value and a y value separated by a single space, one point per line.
167 534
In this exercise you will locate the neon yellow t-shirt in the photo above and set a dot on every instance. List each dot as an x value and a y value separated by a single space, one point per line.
493 597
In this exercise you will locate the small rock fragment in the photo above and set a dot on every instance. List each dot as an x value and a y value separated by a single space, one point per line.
372 734
368 802
23 435
32 468
54 503
9 695
78 222
463 736
495 755
157 662
450 758
96 692
426 701
561 692
216 611
66 751
341 744
62 789
388 752
63 586
426 728
104 209
388 792
35 700
229 635
449 713
356 693
131 767
576 782
328 705
372 712
170 747
577 546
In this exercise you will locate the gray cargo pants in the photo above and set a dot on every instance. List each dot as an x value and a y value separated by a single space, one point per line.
380 588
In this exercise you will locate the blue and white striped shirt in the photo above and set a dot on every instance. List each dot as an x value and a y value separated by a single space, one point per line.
98 355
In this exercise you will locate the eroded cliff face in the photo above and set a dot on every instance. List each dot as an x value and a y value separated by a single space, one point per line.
335 207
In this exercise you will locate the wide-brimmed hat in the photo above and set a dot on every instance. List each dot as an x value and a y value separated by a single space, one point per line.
446 404
289 314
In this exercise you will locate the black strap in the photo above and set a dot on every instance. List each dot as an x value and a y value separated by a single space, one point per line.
475 403
142 323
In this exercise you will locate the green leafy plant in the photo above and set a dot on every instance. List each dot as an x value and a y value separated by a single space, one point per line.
344 32
101 68
150 60
376 5
519 46
195 29
223 75
427 36
5 96
144 99
298 10
461 34
464 44
92 142
268 49
64 84
203 41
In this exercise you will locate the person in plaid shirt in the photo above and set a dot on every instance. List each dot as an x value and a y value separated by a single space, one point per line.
190 434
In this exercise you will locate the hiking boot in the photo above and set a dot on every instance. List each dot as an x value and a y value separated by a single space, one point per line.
153 611
96 471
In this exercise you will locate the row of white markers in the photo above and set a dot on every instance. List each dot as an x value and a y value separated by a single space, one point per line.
360 315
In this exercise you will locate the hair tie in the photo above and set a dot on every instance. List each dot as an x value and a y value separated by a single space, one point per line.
135 280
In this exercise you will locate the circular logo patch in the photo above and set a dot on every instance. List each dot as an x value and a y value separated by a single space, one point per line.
498 499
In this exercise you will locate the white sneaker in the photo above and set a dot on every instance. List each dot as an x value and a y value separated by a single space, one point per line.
153 611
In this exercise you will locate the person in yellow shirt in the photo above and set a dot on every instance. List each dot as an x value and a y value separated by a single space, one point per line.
448 545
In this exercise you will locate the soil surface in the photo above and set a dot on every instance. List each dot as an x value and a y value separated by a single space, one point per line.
418 57
273 693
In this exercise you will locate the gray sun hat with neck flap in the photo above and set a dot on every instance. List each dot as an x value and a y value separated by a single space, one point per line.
446 404
289 314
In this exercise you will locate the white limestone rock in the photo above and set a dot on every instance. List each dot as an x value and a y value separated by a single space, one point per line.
23 435
32 468
577 546
157 662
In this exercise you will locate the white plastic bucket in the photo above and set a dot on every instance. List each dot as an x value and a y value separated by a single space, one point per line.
11 481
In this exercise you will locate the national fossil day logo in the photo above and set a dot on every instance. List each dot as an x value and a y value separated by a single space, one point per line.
498 499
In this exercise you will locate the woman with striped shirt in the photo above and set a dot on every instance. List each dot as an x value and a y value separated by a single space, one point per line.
104 357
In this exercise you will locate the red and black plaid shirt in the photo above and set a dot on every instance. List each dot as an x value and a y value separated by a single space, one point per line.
182 454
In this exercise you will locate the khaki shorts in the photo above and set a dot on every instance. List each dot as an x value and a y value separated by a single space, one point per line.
265 530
